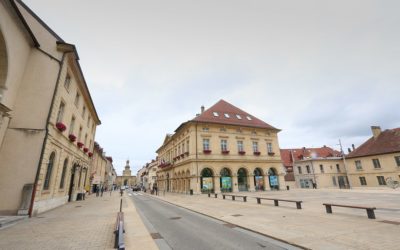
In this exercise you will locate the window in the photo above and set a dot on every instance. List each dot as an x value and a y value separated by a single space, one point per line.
240 146
205 129
83 112
321 168
60 112
187 146
64 171
88 121
363 181
77 97
248 118
381 180
215 114
358 165
222 129
206 144
80 134
308 169
376 163
299 169
334 181
183 147
269 147
397 159
338 168
67 82
226 115
224 145
86 139
71 127
255 146
50 165
239 117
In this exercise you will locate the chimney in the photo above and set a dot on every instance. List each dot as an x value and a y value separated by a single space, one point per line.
202 109
376 131
348 149
354 148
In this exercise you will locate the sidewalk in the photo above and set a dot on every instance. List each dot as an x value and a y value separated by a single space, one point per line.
309 227
87 224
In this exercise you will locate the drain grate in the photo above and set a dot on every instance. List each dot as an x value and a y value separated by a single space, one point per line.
156 236
236 215
174 218
229 225
391 222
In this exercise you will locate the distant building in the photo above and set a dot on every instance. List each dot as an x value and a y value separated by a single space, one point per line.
223 149
127 179
377 160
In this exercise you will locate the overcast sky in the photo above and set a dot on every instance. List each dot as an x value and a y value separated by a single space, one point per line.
319 70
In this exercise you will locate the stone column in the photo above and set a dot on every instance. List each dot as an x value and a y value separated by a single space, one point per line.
235 187
217 184
250 181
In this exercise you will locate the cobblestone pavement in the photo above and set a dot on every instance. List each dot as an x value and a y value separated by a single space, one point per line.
84 224
310 227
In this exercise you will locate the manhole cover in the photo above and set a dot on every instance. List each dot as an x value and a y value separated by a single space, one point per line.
174 218
391 222
237 215
156 236
229 225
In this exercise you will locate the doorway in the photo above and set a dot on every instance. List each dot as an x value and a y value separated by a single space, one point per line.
242 179
72 182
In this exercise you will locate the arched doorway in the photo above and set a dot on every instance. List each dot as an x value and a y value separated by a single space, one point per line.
226 180
206 181
258 179
125 182
72 182
242 179
273 179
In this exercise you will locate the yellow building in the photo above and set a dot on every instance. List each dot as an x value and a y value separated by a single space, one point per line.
223 149
376 161
101 170
47 117
127 179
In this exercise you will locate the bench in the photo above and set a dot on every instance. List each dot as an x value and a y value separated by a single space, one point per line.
370 210
234 196
215 195
119 231
276 201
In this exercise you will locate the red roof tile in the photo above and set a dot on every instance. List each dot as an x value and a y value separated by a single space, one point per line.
303 153
222 107
387 141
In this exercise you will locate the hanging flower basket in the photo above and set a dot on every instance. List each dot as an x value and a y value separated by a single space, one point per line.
225 152
257 153
80 144
182 155
271 153
85 150
90 154
242 152
61 127
207 151
72 137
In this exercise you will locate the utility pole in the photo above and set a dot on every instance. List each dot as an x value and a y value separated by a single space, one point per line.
344 163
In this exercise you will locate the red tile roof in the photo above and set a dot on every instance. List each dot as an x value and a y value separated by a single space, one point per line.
387 141
303 153
222 107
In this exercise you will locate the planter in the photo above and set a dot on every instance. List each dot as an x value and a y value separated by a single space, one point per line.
61 127
271 153
225 152
242 152
72 137
85 150
80 144
90 154
257 153
207 151
187 153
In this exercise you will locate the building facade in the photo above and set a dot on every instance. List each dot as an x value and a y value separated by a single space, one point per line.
377 161
48 119
223 149
127 179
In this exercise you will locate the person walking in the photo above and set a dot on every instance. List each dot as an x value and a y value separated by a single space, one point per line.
97 191
102 190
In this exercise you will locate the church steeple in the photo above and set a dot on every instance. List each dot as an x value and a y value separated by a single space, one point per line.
127 171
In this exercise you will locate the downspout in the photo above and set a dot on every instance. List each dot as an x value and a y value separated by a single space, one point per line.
197 158
61 63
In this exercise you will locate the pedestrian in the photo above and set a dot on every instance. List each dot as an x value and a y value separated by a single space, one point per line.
102 190
97 191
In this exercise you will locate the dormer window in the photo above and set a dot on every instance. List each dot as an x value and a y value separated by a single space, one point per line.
215 114
239 117
248 118
226 115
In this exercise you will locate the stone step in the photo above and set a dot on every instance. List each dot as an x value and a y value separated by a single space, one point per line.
6 221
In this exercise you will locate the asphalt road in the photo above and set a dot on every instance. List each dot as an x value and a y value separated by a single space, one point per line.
173 227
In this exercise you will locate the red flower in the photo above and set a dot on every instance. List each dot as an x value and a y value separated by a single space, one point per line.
257 153
90 154
207 151
72 137
85 150
271 153
61 127
80 144
242 152
225 152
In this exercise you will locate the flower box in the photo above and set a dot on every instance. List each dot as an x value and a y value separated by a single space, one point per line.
257 153
225 152
72 137
85 150
182 155
242 152
61 127
80 144
178 157
207 151
90 154
187 153
271 153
